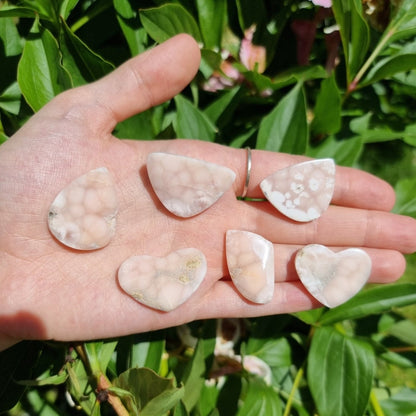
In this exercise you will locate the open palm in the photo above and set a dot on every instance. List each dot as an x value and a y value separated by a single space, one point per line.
49 291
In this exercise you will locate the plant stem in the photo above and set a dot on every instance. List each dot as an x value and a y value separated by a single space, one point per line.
89 16
411 348
376 405
79 348
104 384
298 377
295 386
369 61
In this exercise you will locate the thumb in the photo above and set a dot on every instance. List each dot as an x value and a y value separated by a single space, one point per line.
138 84
148 79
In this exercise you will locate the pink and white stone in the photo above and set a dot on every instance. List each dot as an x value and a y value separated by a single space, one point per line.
163 283
250 260
83 214
187 186
332 278
303 191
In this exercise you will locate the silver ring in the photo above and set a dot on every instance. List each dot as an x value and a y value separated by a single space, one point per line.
248 172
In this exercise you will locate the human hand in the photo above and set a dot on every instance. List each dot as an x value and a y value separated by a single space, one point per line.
49 291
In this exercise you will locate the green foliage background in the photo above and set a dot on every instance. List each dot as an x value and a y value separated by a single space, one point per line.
356 359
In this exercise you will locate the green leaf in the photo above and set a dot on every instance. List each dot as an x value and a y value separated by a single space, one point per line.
208 337
40 73
402 403
121 393
406 197
374 300
9 37
153 395
17 11
238 141
193 377
262 83
16 363
208 399
250 13
340 373
404 330
368 133
285 129
294 75
147 354
128 19
410 134
99 354
92 10
212 16
40 405
48 380
163 403
66 7
220 109
45 8
210 62
11 47
79 386
361 124
311 316
327 112
191 123
259 399
81 62
138 127
345 152
229 396
402 25
10 99
378 135
164 22
298 74
180 409
386 68
396 359
354 33
274 352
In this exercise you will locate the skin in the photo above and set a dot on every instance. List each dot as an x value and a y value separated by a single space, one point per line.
49 291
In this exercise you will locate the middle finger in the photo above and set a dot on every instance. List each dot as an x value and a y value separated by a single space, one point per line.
338 226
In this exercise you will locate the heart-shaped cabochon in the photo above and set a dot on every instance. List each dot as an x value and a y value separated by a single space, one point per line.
163 283
332 278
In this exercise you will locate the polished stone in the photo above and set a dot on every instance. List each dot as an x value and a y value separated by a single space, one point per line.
303 191
187 186
250 260
332 278
83 214
163 283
